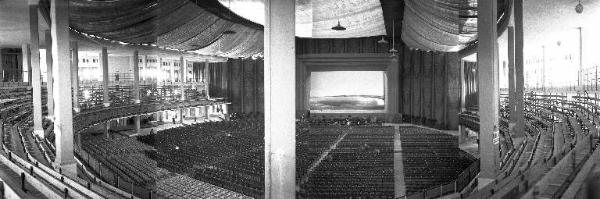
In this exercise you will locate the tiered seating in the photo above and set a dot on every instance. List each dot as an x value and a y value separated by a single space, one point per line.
355 121
226 154
124 156
431 158
558 145
311 143
183 187
360 166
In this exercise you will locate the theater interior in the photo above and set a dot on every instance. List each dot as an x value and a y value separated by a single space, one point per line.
358 99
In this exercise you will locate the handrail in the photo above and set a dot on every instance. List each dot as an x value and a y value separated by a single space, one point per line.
456 186
50 173
7 191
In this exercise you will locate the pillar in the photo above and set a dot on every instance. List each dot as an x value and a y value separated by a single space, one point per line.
136 77
580 73
27 61
462 134
172 73
519 63
34 65
136 123
180 111
392 75
206 78
511 77
487 60
182 77
280 95
63 110
107 129
74 74
105 83
1 67
206 114
161 72
1 130
145 77
49 76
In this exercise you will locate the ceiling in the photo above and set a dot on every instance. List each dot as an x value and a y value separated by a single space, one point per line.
200 27
315 18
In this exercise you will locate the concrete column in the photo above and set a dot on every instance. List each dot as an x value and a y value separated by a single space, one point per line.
145 77
1 130
1 67
280 95
392 75
511 77
161 72
105 83
136 77
461 134
519 63
136 123
206 114
487 61
63 110
206 78
182 77
172 67
107 129
75 75
26 61
34 63
49 76
181 115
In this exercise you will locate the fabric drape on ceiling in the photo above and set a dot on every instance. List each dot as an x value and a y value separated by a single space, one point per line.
435 25
181 25
446 25
314 18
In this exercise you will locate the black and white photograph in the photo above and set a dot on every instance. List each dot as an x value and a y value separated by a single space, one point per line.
307 99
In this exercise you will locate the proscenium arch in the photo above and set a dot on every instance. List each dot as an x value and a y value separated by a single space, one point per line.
305 64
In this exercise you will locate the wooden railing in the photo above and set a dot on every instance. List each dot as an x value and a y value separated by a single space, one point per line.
462 181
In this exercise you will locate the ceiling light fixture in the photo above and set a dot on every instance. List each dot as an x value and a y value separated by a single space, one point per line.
338 27
579 7
382 40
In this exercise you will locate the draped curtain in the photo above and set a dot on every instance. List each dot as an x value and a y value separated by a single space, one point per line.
446 25
177 25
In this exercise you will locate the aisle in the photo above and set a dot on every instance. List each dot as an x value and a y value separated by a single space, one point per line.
399 183
322 157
